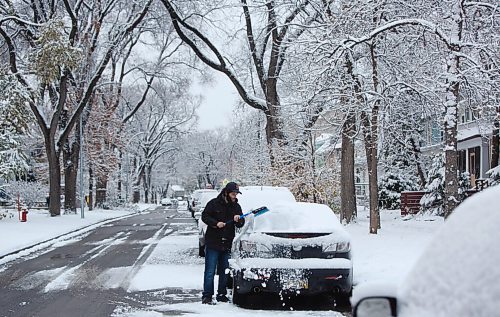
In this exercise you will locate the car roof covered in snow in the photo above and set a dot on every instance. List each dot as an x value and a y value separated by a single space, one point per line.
205 197
253 197
458 273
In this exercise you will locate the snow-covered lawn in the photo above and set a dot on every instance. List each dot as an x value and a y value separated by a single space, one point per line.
388 256
40 226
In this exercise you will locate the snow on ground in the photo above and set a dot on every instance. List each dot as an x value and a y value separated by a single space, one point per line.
219 310
388 256
40 227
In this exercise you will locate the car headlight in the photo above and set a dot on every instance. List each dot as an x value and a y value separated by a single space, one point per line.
250 249
343 246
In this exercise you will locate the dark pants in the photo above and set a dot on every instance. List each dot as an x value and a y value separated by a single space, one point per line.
215 259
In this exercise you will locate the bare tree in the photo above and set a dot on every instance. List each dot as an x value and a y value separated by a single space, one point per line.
57 66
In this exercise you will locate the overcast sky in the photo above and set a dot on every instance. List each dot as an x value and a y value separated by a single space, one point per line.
218 103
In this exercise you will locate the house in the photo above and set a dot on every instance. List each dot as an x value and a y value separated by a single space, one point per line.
473 143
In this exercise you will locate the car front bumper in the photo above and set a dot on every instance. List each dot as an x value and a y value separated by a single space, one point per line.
304 276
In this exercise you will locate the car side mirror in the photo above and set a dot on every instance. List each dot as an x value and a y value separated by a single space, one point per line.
376 307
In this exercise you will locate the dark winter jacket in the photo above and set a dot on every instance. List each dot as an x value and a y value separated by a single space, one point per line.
220 210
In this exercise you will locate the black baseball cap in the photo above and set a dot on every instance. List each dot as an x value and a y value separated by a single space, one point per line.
232 187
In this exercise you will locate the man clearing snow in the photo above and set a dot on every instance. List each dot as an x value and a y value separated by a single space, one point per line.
221 215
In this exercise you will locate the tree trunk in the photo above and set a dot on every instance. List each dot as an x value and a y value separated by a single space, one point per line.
71 162
348 189
100 194
371 146
136 196
54 181
418 163
371 160
91 187
119 185
495 140
451 116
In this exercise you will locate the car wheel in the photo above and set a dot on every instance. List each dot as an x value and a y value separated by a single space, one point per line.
201 250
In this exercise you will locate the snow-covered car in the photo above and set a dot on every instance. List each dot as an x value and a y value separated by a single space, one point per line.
251 197
295 247
194 201
456 275
166 201
182 205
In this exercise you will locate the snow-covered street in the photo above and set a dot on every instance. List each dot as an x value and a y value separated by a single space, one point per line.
147 265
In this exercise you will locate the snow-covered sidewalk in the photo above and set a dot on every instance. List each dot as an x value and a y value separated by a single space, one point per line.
41 227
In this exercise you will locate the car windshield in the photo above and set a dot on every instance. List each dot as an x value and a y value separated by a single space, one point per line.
297 217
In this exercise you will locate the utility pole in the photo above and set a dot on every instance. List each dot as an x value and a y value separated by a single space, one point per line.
82 196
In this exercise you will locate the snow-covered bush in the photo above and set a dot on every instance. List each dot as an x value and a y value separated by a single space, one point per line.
29 192
432 201
390 187
494 174
14 121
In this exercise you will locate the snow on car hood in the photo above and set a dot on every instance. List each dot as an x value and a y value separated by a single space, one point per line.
288 217
459 272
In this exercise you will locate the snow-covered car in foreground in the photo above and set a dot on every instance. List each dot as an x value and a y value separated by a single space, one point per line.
251 197
295 247
457 275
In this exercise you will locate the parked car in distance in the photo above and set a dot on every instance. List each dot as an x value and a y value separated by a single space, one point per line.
293 248
193 202
251 197
456 275
166 201
182 204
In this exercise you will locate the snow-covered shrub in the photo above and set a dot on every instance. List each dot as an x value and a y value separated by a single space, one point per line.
29 192
494 174
390 187
14 122
432 201
463 185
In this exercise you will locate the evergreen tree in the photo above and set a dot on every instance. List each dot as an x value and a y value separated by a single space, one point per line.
432 201
390 187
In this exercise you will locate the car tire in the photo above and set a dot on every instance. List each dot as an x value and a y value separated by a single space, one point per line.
201 250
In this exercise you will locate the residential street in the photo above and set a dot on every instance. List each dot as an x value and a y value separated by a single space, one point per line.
112 271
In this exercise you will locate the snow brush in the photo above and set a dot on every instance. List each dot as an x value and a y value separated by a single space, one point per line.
256 212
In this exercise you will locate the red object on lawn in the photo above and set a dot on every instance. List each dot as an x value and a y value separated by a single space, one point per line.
24 215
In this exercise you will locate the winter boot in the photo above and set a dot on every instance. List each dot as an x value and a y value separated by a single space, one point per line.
207 300
222 298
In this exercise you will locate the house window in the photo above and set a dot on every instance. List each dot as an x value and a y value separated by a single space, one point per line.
462 155
467 115
436 133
